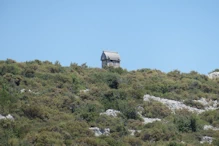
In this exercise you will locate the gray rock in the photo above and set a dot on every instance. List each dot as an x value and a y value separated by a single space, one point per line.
85 91
209 127
30 91
213 75
177 105
2 117
148 120
111 112
206 139
98 132
9 116
134 131
22 90
208 105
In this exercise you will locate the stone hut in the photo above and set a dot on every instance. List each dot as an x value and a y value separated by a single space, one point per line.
109 58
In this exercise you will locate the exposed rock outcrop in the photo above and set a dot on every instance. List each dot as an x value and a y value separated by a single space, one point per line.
209 127
177 105
213 75
206 139
148 120
84 91
208 105
24 90
134 131
6 117
111 112
98 132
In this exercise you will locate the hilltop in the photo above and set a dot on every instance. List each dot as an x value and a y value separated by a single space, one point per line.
44 103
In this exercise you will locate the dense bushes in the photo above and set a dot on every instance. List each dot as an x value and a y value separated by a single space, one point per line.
212 117
11 68
34 111
6 101
55 105
187 122
159 131
154 109
111 79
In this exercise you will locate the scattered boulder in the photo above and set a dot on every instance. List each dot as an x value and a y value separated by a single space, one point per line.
209 127
98 132
134 131
213 75
84 91
22 90
206 139
30 91
9 116
140 109
111 112
148 120
2 117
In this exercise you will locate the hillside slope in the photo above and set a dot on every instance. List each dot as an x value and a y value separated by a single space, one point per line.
42 103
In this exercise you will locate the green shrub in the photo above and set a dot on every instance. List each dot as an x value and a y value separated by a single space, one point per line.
111 79
55 110
10 61
49 138
154 109
175 144
28 72
186 121
90 141
159 132
9 68
211 116
6 101
216 142
192 103
118 70
133 141
34 111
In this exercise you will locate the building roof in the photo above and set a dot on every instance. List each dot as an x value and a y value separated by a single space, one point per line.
112 55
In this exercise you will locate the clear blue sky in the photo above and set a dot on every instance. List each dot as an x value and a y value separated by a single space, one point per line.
156 34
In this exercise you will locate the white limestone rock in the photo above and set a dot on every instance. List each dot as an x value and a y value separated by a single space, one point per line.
203 101
9 116
111 112
206 139
209 127
2 117
30 91
98 132
132 132
23 90
213 75
208 104
84 91
176 105
150 120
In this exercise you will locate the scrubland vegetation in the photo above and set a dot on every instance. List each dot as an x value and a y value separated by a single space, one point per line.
56 109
